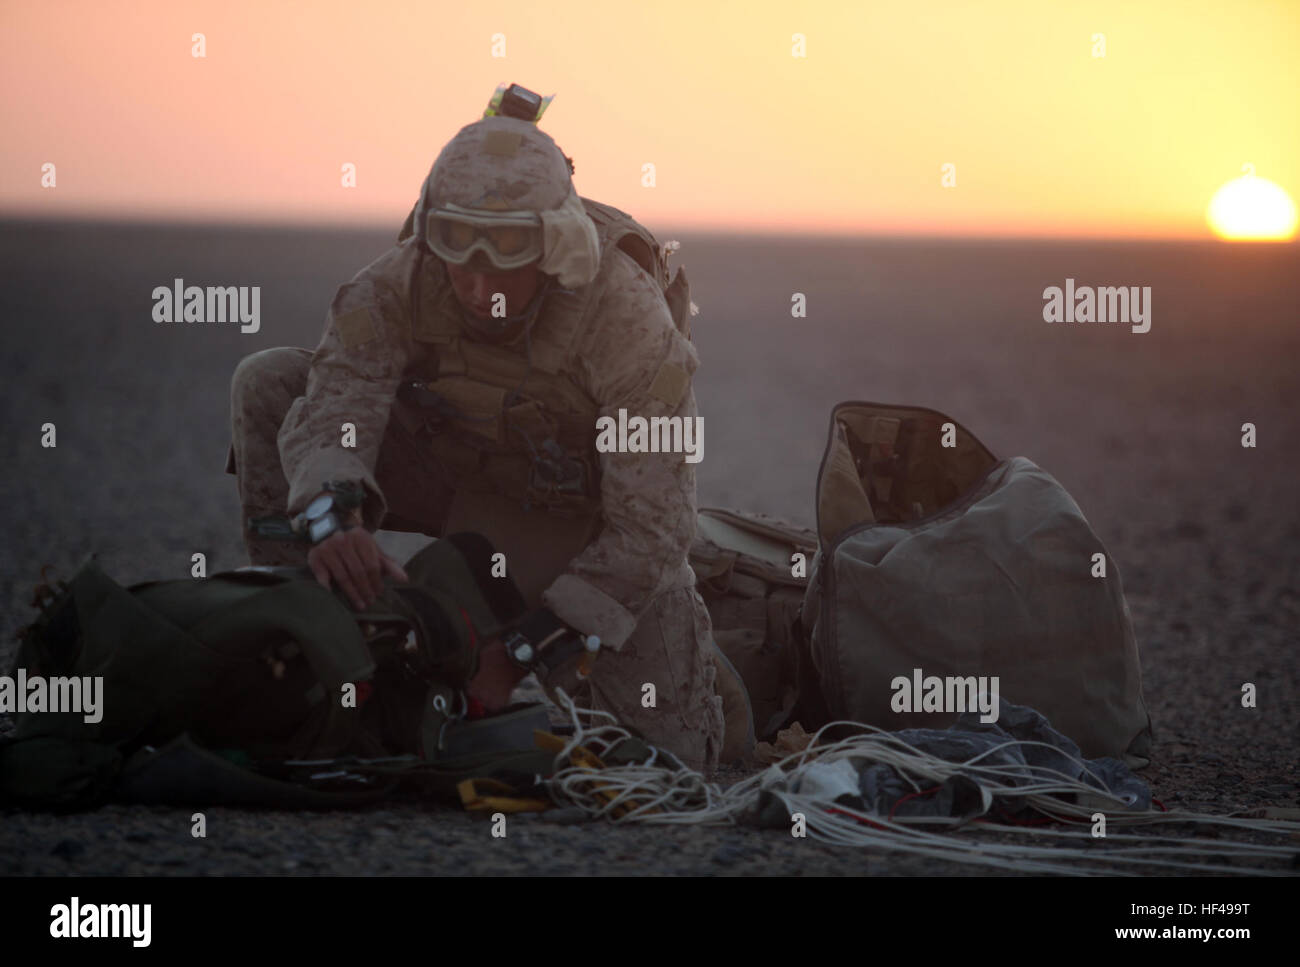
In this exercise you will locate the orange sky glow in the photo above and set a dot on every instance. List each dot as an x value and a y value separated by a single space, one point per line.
1046 139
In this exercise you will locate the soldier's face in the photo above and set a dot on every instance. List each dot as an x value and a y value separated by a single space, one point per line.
478 281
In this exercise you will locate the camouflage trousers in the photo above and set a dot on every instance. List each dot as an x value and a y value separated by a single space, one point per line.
670 649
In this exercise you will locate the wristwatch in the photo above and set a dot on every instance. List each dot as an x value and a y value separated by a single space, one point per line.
327 514
324 516
541 643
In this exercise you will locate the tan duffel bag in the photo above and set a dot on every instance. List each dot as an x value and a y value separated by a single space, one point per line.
938 560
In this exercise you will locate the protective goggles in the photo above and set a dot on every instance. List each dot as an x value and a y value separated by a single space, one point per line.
510 240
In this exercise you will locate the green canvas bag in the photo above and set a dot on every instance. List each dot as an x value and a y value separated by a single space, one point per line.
213 684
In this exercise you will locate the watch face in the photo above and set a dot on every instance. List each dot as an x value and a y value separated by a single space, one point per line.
322 528
319 507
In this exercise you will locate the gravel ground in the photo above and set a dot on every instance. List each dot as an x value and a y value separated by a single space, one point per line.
1142 429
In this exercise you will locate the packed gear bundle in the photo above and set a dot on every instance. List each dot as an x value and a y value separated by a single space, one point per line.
239 687
935 555
748 573
934 558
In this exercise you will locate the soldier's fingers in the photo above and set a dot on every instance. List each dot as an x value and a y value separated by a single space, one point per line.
331 551
318 568
393 569
359 586
369 553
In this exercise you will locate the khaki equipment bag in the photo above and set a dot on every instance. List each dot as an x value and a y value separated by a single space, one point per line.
934 555
753 585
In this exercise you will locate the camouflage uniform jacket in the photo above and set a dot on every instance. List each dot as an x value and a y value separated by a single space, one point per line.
614 338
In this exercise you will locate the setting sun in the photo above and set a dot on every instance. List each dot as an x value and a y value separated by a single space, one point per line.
1253 208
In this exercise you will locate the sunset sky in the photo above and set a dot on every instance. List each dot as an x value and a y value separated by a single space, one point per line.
1046 139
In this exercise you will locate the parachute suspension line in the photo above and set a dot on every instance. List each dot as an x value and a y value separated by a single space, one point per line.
652 791
656 792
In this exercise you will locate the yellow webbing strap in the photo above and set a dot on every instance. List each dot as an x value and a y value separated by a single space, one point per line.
585 759
489 795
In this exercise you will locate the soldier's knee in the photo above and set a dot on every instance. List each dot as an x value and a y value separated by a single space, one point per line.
269 380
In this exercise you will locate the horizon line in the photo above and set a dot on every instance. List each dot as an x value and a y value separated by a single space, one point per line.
707 229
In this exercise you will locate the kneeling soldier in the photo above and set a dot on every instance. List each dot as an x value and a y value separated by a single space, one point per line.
457 387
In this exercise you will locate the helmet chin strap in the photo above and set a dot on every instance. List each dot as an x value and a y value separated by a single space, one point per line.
500 327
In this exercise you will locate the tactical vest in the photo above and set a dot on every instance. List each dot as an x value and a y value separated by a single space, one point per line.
515 433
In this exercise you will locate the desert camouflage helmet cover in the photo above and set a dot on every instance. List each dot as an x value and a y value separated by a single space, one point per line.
504 165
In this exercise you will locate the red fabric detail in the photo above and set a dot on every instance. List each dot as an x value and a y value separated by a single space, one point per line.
865 822
473 638
911 795
474 709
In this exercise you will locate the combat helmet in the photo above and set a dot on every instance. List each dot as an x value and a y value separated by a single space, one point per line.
503 187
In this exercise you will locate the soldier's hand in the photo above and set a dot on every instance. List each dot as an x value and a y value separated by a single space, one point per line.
352 560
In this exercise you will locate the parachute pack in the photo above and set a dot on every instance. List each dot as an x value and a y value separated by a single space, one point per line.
260 687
